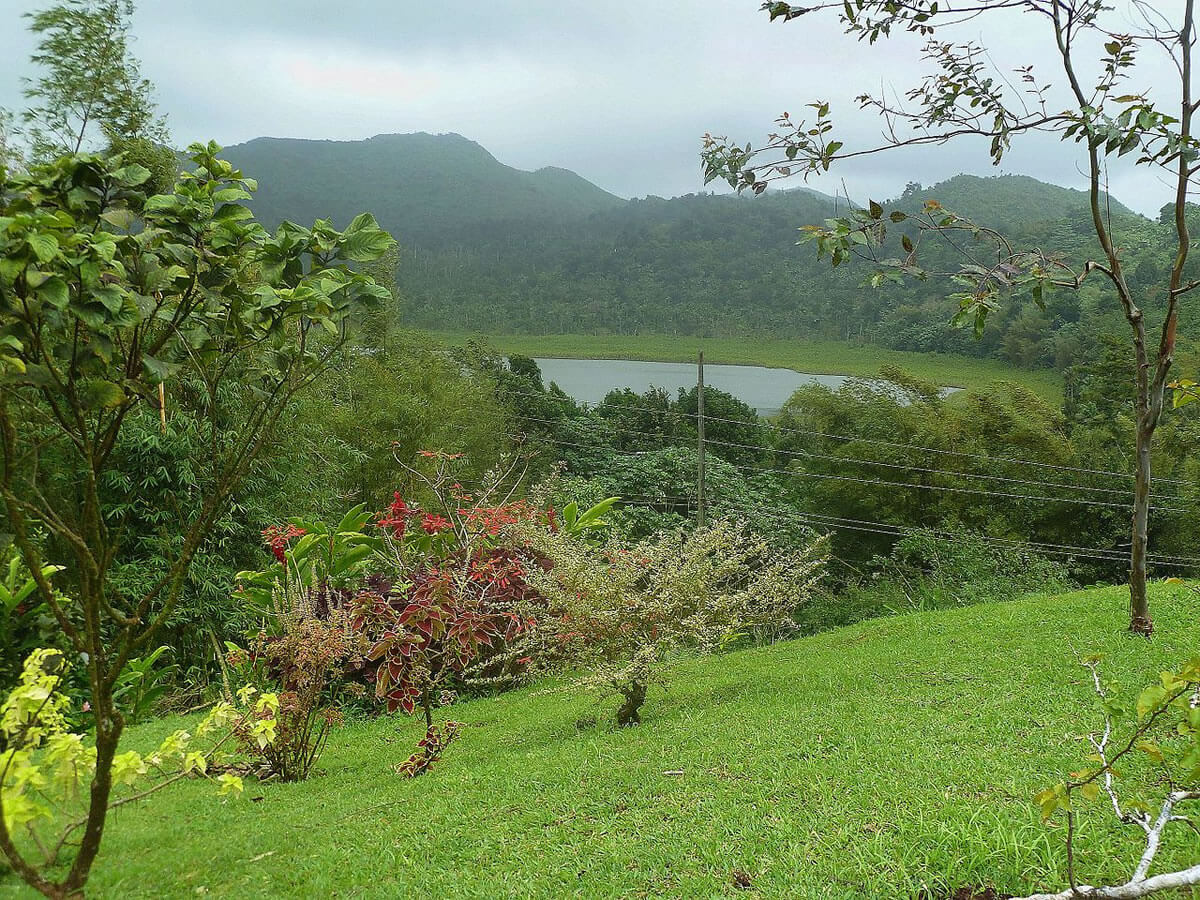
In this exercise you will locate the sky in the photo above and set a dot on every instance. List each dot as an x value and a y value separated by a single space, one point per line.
620 91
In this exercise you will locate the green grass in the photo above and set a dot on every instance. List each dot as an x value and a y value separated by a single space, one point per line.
863 762
817 357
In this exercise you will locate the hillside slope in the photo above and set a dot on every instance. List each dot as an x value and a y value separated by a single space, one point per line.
487 247
871 761
1017 203
424 188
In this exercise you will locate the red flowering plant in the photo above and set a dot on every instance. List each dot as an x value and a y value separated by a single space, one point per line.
458 598
313 555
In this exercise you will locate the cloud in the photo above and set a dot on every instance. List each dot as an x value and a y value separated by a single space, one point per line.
620 91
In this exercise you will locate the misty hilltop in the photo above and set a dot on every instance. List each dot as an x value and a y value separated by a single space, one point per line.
422 187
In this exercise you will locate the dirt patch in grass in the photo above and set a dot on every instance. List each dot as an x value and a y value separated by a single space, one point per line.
965 893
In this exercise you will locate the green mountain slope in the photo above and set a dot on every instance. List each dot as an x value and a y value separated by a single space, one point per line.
1016 203
490 248
720 266
422 187
867 762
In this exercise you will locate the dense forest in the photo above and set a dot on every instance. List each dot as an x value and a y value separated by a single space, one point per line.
487 248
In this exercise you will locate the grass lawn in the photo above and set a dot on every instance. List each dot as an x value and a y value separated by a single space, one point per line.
864 762
817 357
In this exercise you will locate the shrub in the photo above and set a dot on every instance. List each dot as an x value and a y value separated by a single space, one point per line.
47 766
454 595
930 570
429 749
305 658
621 613
25 620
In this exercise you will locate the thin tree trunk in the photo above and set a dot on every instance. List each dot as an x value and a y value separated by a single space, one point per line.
1139 605
107 740
630 711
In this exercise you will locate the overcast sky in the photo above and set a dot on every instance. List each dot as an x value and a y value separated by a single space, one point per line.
618 90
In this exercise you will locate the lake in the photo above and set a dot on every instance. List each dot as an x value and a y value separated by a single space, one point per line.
588 380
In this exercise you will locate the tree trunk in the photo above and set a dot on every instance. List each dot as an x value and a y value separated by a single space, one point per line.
630 711
1139 605
108 736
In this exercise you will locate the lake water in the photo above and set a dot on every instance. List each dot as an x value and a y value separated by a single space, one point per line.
588 380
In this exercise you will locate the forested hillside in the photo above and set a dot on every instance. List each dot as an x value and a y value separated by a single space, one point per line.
425 188
490 248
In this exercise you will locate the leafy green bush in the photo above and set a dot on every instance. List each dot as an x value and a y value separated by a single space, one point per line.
25 621
46 765
929 570
141 686
939 571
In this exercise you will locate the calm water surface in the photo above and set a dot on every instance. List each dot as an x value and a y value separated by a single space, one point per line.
588 380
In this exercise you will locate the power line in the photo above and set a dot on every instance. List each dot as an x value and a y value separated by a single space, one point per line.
877 441
891 530
880 482
957 490
894 530
950 472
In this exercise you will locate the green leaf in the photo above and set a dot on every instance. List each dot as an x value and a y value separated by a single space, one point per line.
230 195
876 210
158 370
119 218
110 296
44 246
354 520
1149 700
96 393
55 292
161 203
363 240
132 175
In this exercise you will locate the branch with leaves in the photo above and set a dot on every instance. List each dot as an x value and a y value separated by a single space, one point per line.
1166 732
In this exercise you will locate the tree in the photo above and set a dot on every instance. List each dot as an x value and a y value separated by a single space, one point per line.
968 95
91 90
108 295
10 154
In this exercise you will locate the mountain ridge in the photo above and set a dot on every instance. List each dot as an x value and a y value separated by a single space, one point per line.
422 187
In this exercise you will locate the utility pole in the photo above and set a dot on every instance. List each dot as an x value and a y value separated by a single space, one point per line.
701 501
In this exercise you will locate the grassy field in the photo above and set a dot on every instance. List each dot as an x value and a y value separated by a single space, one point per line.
818 358
872 761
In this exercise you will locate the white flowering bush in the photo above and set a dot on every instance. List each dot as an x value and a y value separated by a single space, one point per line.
46 768
620 613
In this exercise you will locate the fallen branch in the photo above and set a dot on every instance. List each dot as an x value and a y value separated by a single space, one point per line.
1131 890
1155 703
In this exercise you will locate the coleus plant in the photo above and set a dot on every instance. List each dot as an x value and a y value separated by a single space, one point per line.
459 591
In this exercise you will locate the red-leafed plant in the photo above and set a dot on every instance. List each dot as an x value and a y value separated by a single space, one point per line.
458 594
429 749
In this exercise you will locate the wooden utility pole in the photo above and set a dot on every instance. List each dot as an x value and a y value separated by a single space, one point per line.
701 500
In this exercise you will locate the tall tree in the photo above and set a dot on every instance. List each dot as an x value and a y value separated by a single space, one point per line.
106 294
1095 51
90 92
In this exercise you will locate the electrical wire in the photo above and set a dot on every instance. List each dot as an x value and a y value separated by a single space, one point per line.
842 437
